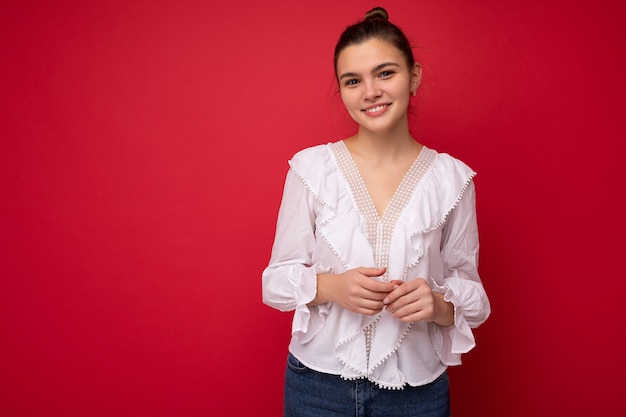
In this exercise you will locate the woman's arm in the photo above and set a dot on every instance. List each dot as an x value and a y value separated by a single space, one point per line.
291 280
462 297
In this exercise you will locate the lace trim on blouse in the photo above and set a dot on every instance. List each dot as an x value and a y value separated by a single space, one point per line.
380 228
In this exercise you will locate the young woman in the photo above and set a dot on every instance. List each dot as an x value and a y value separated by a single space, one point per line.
376 249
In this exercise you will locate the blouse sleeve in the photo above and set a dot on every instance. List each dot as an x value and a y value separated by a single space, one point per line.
462 285
290 280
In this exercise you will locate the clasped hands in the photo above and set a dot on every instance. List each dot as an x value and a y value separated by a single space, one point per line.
409 301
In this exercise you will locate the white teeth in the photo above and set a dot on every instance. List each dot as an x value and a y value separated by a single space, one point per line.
375 109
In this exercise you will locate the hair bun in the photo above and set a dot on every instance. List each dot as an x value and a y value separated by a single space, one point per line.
377 13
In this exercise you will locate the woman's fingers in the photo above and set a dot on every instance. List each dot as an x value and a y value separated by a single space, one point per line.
411 301
402 289
370 272
357 291
408 301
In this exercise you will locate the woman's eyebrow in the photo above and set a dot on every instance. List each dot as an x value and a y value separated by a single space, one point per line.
383 65
374 70
348 75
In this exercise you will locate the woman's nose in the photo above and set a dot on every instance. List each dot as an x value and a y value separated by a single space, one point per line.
372 90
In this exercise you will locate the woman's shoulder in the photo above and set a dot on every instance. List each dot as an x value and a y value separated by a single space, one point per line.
447 165
316 168
312 153
312 159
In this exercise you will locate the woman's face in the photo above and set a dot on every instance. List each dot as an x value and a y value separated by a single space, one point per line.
375 84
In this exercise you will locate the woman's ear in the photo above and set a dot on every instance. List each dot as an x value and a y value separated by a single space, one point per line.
416 78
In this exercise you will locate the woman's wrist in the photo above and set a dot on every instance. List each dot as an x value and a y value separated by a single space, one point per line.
322 295
445 316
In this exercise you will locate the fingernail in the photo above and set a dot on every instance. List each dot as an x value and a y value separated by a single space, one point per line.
386 300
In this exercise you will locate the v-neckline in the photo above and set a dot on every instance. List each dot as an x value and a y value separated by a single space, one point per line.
380 228
401 194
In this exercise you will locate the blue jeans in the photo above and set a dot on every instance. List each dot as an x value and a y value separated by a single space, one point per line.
309 393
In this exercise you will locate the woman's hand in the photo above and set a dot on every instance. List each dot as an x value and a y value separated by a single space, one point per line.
414 300
355 290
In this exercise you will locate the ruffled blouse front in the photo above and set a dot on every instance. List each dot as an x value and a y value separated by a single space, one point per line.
327 224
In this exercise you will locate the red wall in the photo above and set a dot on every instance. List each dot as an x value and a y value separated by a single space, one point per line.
144 148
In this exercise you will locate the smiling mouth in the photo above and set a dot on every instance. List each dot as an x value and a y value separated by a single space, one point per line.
376 109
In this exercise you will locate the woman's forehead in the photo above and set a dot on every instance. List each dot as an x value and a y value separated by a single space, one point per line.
367 55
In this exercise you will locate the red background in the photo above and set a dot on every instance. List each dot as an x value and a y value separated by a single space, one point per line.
144 148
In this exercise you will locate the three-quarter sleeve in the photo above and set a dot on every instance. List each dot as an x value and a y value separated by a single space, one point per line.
462 285
290 280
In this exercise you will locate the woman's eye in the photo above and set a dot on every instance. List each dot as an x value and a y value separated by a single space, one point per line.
352 82
385 74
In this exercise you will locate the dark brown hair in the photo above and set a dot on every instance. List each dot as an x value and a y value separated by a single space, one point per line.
375 25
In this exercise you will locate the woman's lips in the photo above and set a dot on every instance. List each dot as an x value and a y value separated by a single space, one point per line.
376 110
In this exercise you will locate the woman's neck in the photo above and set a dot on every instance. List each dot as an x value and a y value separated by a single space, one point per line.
383 146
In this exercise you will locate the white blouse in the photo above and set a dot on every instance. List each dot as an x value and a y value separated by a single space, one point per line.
327 223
